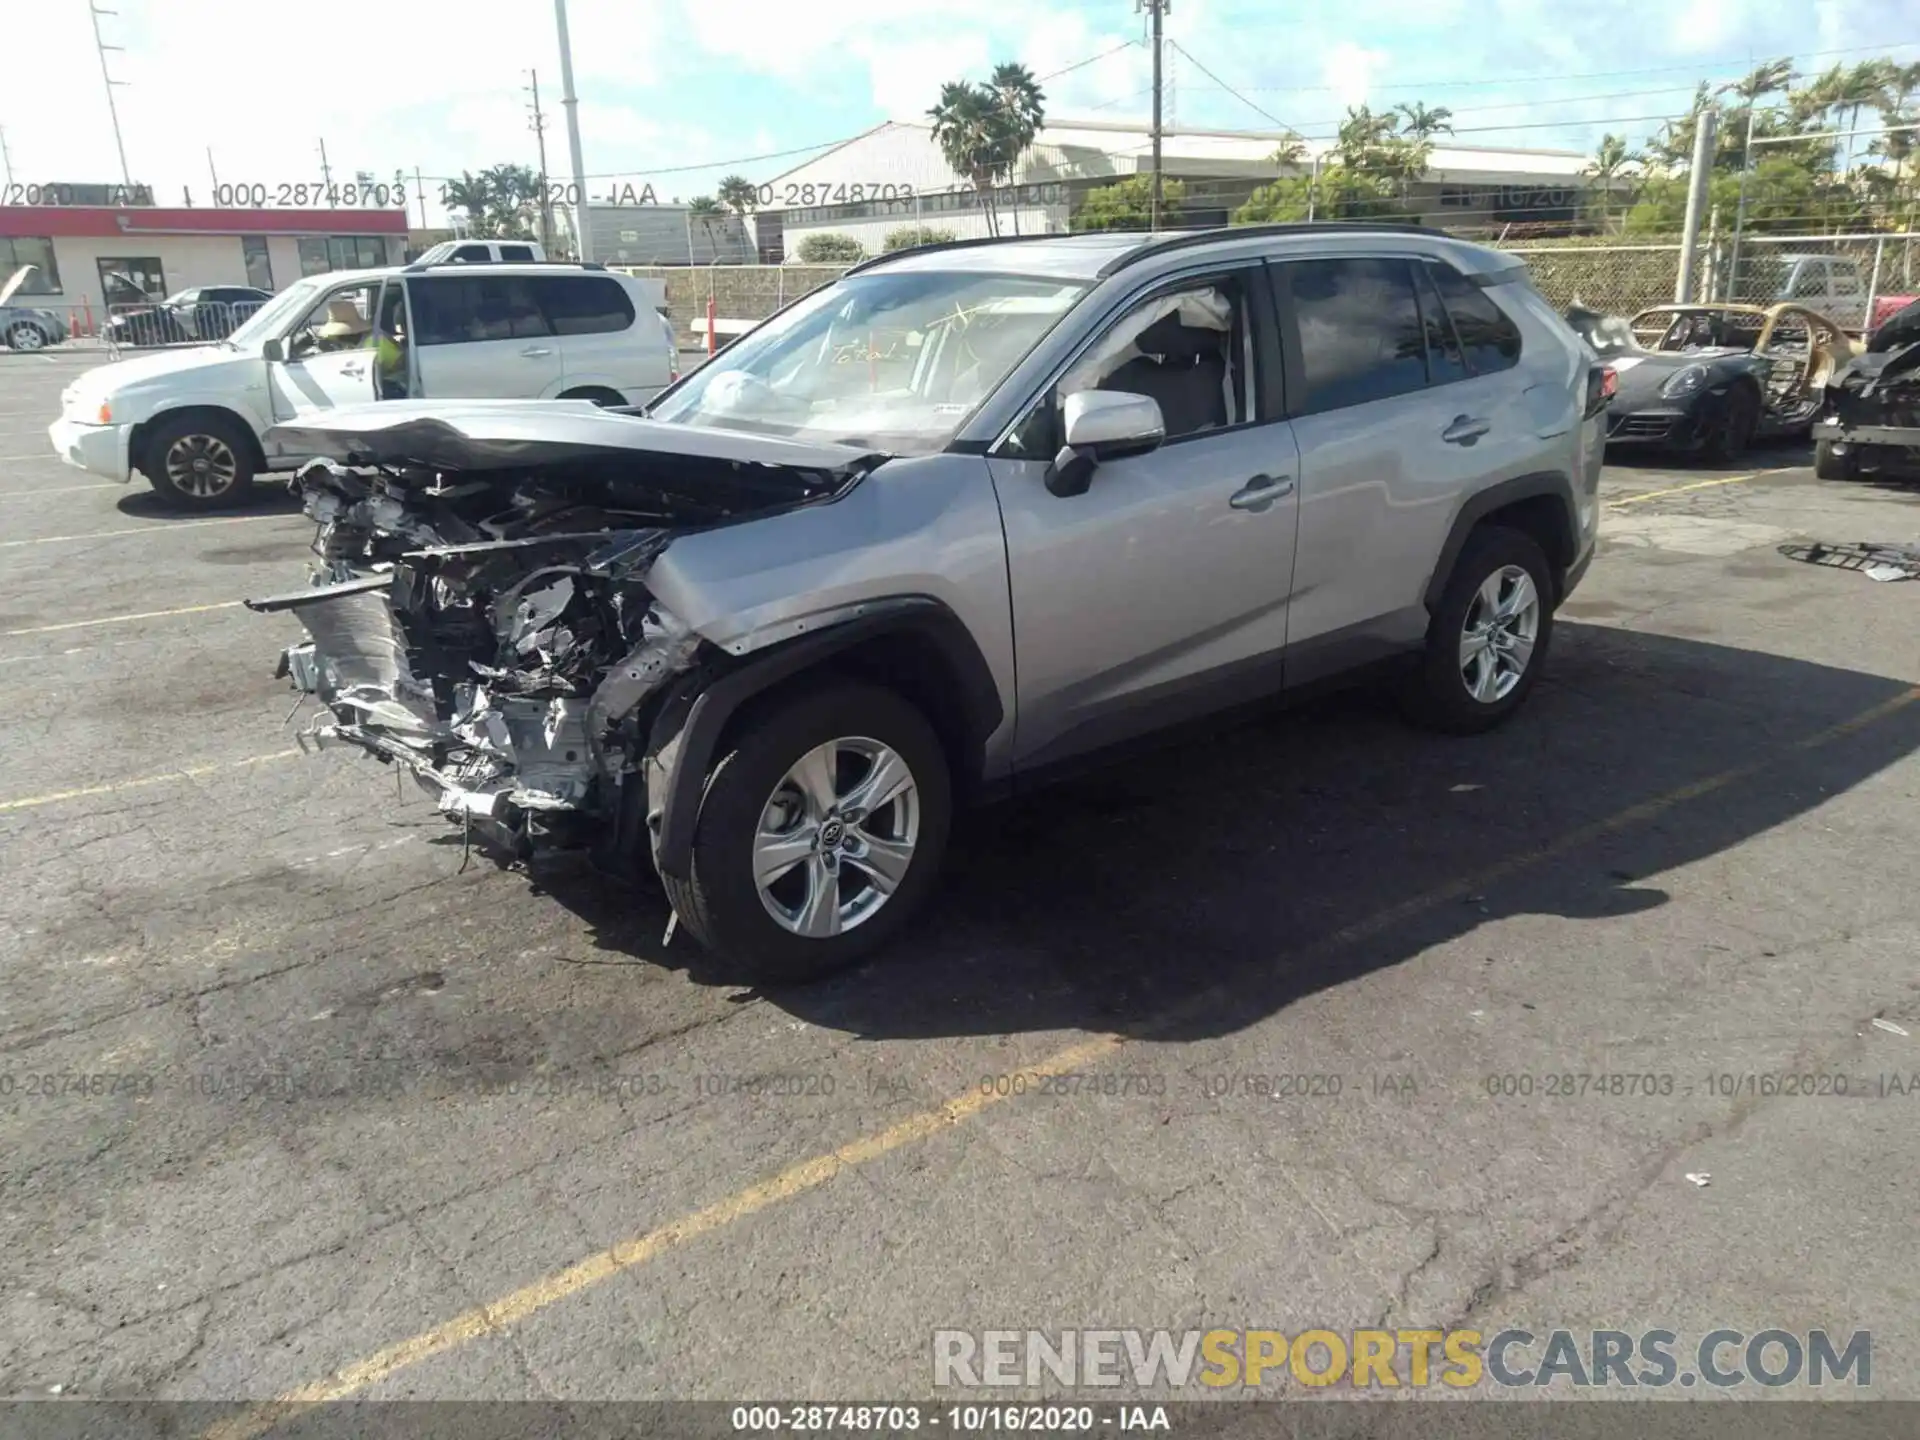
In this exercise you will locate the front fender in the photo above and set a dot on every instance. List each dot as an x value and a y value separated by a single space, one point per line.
687 729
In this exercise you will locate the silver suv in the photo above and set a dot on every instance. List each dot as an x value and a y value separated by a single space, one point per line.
966 515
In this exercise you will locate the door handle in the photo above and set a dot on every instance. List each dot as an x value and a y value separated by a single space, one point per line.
353 372
1260 492
535 351
1465 429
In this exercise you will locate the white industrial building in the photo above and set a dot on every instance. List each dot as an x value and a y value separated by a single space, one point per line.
894 175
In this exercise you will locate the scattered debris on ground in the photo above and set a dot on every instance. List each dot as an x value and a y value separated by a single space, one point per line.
1874 560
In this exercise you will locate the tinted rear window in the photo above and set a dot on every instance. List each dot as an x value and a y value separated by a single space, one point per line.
453 311
1360 334
1490 338
583 304
516 252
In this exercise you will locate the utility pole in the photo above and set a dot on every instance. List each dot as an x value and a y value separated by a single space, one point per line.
582 231
113 111
326 170
420 189
539 126
1156 9
1697 193
1740 211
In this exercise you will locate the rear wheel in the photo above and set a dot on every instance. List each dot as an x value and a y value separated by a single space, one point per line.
27 336
820 835
199 462
598 394
1488 636
1832 462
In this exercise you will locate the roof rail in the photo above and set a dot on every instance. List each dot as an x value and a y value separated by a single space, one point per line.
415 267
968 244
1183 239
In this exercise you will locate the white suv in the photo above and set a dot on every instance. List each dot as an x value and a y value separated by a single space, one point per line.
196 421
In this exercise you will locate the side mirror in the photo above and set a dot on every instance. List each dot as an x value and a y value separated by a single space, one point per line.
1103 425
274 350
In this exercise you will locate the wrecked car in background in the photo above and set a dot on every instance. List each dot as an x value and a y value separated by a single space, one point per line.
1871 419
1794 352
1709 401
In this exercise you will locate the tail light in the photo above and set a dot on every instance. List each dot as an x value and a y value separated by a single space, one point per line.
1602 385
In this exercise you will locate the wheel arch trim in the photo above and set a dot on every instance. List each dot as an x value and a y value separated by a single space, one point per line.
1482 503
686 756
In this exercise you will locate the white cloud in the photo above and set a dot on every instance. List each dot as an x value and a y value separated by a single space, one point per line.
1705 26
387 86
1348 70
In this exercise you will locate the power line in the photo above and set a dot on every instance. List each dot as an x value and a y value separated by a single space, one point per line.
1694 68
1268 114
1082 64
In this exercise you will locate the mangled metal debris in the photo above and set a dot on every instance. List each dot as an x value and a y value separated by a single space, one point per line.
1875 561
480 613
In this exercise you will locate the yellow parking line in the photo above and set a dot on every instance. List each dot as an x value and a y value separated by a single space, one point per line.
144 530
193 772
118 619
1698 485
517 1305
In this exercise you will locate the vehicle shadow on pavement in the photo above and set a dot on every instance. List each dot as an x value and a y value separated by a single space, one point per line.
268 497
1242 865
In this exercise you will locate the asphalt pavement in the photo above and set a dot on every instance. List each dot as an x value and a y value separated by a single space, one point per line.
1267 1031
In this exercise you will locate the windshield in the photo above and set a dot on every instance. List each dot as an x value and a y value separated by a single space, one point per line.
894 361
268 318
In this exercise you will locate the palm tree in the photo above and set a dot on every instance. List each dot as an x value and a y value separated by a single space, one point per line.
512 191
738 194
963 129
472 194
1424 124
1292 152
983 130
707 212
1610 159
1764 80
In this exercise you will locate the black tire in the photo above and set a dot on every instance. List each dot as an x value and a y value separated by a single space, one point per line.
1436 694
1832 463
720 904
598 394
1733 432
25 335
215 438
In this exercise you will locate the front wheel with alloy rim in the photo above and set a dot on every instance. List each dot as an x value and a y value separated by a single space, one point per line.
1488 636
199 462
821 832
26 337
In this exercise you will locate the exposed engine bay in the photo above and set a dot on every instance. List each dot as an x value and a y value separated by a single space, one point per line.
479 612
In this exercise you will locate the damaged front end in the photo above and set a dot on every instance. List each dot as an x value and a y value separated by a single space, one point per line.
479 612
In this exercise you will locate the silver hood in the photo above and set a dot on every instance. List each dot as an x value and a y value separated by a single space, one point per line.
507 434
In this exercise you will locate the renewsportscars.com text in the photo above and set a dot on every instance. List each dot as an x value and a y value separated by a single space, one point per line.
1391 1359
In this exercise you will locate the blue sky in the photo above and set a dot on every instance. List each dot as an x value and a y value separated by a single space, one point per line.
677 92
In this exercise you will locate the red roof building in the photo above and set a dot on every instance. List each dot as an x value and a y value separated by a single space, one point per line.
91 255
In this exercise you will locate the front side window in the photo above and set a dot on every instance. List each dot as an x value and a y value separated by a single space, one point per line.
516 252
467 309
1191 350
895 360
1360 331
342 320
1487 334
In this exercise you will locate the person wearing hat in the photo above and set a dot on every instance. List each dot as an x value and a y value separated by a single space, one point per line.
345 328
